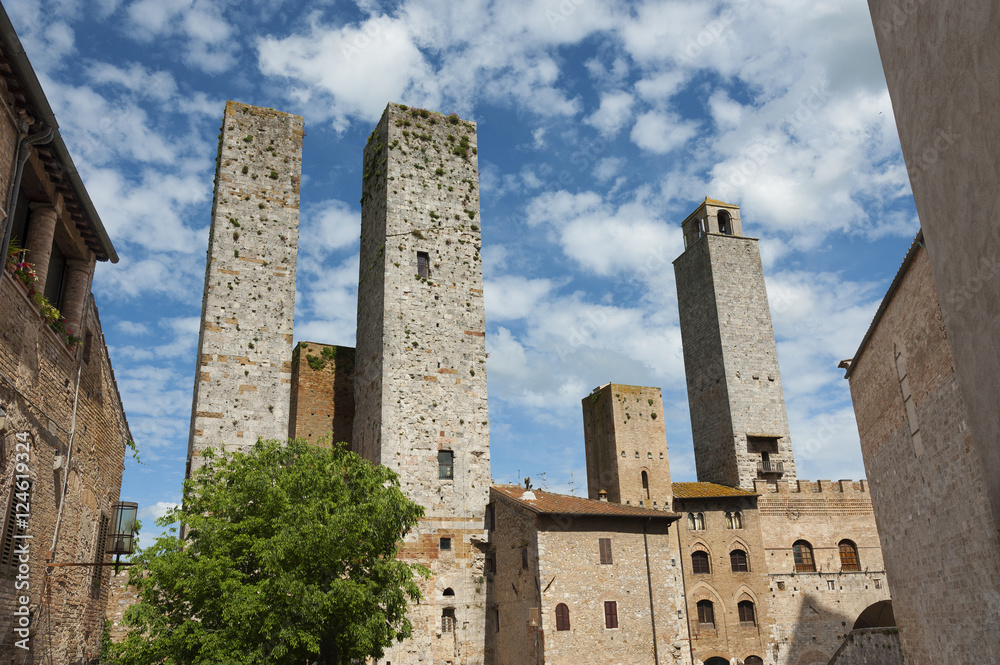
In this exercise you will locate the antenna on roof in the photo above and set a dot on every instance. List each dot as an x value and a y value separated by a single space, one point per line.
572 486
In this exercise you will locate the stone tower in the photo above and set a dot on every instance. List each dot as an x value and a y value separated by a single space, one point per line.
738 418
420 383
626 444
241 388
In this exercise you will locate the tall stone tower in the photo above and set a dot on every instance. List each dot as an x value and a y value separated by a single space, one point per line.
241 388
626 444
738 418
420 383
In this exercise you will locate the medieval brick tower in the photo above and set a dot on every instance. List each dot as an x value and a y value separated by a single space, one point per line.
241 388
738 418
420 385
626 445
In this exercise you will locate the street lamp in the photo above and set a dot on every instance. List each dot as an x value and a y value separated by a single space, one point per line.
121 540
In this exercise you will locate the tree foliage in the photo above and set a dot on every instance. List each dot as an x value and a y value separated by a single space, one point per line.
289 557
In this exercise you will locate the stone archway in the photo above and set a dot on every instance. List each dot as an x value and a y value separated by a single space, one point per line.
876 615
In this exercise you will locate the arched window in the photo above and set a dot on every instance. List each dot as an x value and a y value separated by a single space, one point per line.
706 614
699 563
849 556
753 660
448 592
803 554
725 223
747 617
645 484
562 617
696 521
734 520
738 560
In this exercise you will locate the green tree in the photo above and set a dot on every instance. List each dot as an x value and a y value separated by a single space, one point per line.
289 557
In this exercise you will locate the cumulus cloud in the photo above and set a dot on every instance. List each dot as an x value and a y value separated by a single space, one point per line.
613 114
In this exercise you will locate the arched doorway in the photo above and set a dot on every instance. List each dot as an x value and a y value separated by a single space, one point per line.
877 615
717 661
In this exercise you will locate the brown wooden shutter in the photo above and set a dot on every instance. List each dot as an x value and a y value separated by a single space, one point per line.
562 617
610 614
605 547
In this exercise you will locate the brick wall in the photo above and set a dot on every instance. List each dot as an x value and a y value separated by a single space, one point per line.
322 393
242 386
37 390
929 493
721 586
420 385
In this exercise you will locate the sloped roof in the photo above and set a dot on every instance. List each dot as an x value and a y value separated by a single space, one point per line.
707 490
719 204
548 503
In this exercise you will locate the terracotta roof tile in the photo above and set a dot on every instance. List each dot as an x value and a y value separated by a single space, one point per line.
706 490
549 503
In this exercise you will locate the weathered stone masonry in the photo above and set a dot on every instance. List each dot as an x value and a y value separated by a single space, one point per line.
420 387
242 386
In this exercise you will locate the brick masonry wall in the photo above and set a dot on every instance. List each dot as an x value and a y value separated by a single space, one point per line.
624 435
513 589
730 360
420 383
721 586
933 514
37 391
811 619
322 393
242 386
870 646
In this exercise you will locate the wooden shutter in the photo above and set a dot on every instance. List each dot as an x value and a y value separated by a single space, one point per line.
605 547
562 617
610 614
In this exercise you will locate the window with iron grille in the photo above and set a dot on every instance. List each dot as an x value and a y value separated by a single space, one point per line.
605 547
446 464
20 489
610 614
849 556
803 555
706 614
99 551
747 617
699 563
738 560
423 264
448 620
562 617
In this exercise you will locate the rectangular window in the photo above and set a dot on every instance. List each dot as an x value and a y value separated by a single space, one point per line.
605 547
524 558
423 264
446 543
8 557
491 517
491 563
99 551
55 277
446 464
610 614
448 620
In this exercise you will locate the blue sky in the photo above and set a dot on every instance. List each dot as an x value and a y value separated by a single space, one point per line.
601 126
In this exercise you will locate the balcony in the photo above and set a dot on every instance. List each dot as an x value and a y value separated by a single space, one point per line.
770 467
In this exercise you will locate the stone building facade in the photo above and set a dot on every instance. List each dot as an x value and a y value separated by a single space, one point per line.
63 433
738 419
928 486
243 383
420 371
575 581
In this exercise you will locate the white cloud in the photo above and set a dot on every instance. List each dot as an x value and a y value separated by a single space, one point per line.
614 113
207 36
662 132
513 296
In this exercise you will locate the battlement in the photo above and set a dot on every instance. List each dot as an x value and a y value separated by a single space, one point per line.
843 487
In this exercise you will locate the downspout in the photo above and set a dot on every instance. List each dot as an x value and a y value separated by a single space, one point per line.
72 427
649 582
21 158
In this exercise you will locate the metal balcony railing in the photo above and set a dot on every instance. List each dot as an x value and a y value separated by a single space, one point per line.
770 467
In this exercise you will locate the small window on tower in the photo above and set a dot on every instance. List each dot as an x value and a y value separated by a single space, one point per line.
423 264
446 543
446 464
